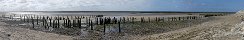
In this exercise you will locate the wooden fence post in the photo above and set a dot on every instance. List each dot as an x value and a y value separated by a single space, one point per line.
149 19
24 18
142 19
119 25
159 19
33 24
156 19
73 23
133 20
91 25
104 26
37 19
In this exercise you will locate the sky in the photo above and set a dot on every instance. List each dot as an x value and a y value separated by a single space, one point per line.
123 5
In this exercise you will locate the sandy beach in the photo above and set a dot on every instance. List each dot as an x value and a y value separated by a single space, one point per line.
150 30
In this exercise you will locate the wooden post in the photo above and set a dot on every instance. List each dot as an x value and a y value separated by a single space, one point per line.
190 17
24 18
50 22
114 20
128 20
179 18
53 24
96 21
86 20
156 19
80 22
109 20
28 19
91 24
89 21
149 19
106 20
10 17
37 19
104 26
172 18
142 19
58 25
21 18
163 19
65 22
33 24
119 25
74 23
159 19
194 17
100 21
43 21
69 23
133 20
175 19
124 20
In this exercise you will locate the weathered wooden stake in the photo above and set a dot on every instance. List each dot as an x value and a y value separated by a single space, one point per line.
54 23
142 19
43 21
58 25
33 24
119 25
28 19
86 20
65 22
114 20
96 21
91 24
108 20
73 23
156 19
50 23
159 19
163 19
37 19
24 19
69 22
104 26
128 20
124 20
149 19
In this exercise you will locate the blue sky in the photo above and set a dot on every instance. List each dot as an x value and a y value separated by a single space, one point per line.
199 5
123 5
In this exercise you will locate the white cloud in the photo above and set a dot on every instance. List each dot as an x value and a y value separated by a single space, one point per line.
58 5
18 5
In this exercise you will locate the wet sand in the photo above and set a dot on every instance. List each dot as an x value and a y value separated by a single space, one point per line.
17 33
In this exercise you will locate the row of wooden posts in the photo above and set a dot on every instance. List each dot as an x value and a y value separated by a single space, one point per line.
90 21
